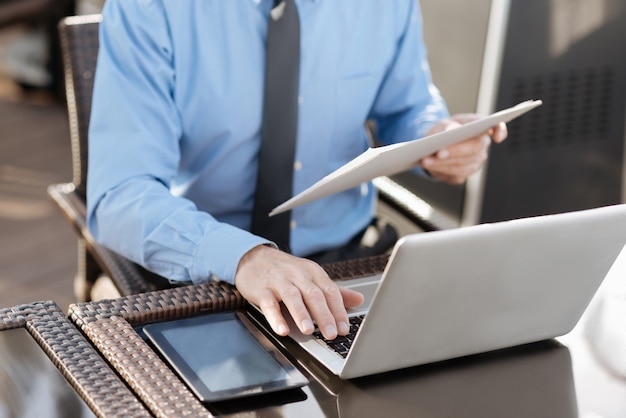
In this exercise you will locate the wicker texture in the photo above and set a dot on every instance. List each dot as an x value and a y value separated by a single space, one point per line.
352 269
94 259
109 324
80 43
160 305
10 320
152 380
94 381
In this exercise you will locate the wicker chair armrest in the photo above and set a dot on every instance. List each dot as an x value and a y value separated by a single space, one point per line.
125 275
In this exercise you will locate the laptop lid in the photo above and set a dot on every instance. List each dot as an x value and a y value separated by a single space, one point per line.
480 288
459 292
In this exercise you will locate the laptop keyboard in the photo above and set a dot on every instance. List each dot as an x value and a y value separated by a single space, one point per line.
341 345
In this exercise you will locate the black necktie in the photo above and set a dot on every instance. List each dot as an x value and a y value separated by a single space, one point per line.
279 124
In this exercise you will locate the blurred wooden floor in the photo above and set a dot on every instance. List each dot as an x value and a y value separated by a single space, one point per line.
37 246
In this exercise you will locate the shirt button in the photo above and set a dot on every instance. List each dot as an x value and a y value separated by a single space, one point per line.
297 165
293 224
300 99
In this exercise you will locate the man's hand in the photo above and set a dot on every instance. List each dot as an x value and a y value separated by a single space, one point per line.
457 162
267 276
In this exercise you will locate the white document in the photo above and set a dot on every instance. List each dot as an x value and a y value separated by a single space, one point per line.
396 158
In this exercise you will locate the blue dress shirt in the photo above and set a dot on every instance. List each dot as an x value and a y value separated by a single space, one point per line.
175 126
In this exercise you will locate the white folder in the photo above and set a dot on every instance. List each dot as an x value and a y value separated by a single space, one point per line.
396 158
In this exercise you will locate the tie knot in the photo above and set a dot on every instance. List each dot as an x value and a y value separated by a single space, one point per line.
278 9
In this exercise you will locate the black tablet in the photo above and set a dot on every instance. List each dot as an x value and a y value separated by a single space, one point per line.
223 356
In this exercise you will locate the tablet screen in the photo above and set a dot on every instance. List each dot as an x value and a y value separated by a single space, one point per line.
220 358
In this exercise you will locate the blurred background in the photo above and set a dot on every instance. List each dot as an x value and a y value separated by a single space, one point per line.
37 247
485 55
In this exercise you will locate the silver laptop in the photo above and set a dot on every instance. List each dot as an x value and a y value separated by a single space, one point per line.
454 293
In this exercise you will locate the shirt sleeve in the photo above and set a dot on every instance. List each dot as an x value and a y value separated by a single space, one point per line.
408 103
134 154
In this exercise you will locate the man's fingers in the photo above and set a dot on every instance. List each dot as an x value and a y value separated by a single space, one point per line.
267 277
271 309
314 298
331 316
499 133
291 296
351 298
454 164
461 151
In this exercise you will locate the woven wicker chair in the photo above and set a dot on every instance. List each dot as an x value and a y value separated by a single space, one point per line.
79 41
79 44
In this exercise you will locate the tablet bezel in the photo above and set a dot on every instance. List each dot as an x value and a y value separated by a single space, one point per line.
154 332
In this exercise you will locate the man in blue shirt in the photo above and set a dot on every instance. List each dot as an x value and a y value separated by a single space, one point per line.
175 134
